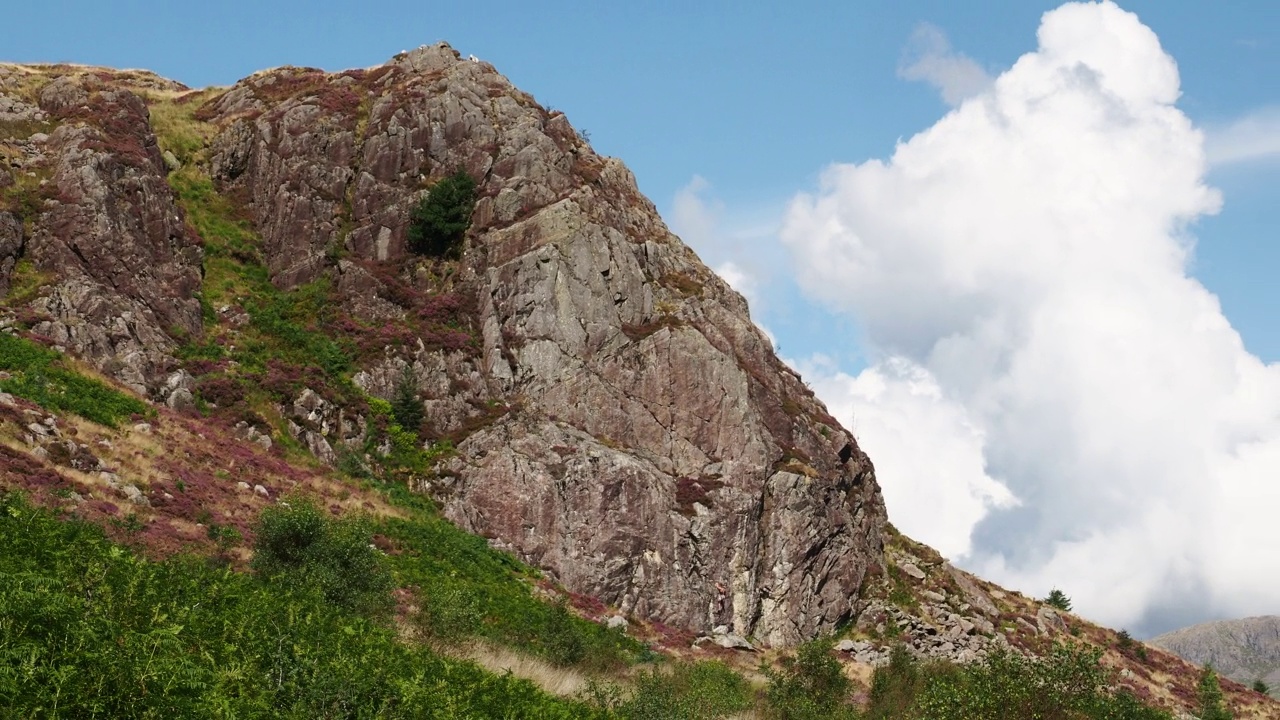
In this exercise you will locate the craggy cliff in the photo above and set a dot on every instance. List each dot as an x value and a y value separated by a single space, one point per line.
1246 650
595 399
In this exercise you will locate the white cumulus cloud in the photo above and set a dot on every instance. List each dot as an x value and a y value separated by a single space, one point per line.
923 441
1053 382
929 58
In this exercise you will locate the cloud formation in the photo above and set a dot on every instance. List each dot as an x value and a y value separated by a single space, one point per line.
929 57
1255 136
1051 378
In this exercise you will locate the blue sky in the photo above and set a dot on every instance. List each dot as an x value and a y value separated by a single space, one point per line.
1003 311
754 97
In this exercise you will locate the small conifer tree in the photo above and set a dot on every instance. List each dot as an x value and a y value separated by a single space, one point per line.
1210 694
406 406
438 223
1059 600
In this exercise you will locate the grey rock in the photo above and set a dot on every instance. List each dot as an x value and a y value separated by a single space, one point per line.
911 569
595 329
1244 650
615 622
734 642
1028 626
134 495
1049 621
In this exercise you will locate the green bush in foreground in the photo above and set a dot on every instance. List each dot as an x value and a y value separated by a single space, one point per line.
1209 691
297 545
685 691
87 629
811 687
1067 684
43 377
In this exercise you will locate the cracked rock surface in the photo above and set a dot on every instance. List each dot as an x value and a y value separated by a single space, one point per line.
621 422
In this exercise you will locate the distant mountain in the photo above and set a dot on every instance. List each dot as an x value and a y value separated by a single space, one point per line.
1244 650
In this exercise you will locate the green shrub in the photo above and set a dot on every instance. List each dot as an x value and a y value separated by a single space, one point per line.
1260 686
299 547
686 691
450 612
894 686
438 223
1068 683
811 686
406 406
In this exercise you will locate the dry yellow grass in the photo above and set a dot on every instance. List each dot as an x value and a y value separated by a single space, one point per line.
565 682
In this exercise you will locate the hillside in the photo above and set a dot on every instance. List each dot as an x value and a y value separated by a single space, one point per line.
1245 650
561 432
611 413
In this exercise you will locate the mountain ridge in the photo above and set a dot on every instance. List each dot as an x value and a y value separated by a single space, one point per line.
1243 649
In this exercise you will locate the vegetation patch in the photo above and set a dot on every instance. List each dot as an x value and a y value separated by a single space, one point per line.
46 378
640 331
1068 682
686 285
88 629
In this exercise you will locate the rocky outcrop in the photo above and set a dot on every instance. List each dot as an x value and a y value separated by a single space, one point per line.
1246 650
618 419
95 216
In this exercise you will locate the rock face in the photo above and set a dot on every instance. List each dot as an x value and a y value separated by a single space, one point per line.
90 211
1245 650
620 421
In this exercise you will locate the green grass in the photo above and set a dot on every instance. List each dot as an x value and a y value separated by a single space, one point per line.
24 284
87 629
469 589
286 328
45 378
1068 683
